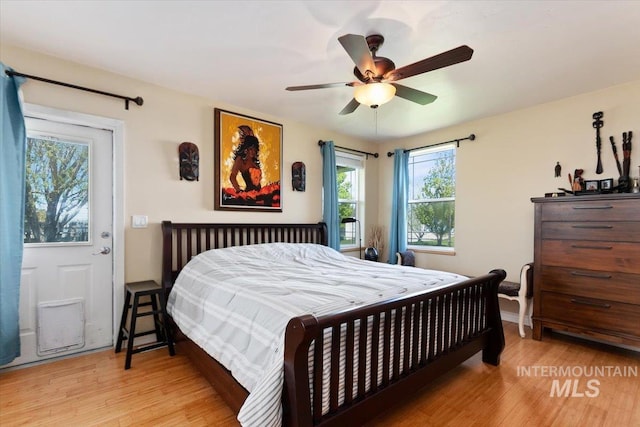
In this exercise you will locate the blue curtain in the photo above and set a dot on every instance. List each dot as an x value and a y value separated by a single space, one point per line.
398 229
12 173
330 194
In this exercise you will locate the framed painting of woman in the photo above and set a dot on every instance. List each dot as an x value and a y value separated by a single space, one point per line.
248 163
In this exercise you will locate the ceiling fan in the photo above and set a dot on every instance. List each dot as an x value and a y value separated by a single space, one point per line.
377 75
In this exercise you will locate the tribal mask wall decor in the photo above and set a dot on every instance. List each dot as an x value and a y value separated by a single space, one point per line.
298 176
189 159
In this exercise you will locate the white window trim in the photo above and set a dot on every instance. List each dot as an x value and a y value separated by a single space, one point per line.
356 161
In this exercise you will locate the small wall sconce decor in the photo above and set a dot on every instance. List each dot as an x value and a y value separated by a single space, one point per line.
189 160
298 176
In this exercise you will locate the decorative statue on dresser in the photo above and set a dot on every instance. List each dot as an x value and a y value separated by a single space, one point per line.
578 181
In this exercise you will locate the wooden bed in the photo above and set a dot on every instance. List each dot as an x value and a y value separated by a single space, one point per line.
442 329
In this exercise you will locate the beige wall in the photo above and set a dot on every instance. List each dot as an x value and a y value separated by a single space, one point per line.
152 135
512 160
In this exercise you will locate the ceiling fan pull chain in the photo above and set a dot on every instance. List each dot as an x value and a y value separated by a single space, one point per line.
375 118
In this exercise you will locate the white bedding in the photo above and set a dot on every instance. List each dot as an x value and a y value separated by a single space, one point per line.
236 302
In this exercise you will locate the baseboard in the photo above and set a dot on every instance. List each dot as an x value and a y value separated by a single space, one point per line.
53 359
513 317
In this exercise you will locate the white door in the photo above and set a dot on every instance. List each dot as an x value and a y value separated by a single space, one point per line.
66 294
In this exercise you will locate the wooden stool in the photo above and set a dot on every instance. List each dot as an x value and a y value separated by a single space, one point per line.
158 311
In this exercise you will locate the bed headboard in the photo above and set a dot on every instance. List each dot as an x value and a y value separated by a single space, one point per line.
182 241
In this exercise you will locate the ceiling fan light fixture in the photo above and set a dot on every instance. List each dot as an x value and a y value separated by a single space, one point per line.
374 94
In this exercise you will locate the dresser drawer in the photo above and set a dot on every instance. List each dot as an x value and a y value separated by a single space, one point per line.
620 287
600 230
604 210
592 313
588 255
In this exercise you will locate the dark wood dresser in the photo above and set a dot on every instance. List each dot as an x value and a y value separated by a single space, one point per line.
586 276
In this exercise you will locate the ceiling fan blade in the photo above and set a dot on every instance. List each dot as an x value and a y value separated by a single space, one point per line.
350 107
417 96
320 86
451 57
358 49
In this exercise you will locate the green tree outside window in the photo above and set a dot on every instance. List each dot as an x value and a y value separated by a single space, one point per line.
432 213
57 191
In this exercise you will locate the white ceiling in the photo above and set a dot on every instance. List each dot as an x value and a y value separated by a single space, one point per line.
245 53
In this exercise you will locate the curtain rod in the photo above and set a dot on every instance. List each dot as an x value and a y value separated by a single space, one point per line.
126 99
457 141
321 143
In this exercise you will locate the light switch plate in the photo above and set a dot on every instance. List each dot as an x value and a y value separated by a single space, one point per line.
139 221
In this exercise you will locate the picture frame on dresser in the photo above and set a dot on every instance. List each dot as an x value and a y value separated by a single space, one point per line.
606 185
591 185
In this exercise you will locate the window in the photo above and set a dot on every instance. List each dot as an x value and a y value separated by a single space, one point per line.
57 191
432 191
350 175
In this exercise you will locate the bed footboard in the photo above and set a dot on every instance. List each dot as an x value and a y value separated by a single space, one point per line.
379 354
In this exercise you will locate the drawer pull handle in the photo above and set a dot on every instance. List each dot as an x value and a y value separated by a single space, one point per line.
593 275
606 248
594 227
594 304
593 207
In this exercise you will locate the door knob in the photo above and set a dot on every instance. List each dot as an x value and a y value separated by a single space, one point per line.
105 250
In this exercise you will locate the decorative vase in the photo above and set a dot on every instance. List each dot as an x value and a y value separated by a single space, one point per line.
624 184
371 254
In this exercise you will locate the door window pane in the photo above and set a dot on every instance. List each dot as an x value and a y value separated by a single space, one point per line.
57 191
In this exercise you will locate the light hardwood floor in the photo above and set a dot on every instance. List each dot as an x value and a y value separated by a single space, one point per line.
159 390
